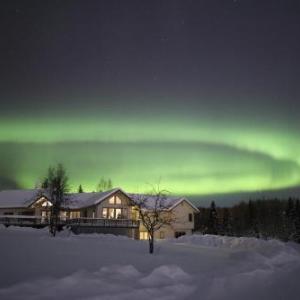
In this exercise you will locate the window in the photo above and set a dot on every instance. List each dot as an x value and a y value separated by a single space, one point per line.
143 235
114 200
104 213
118 213
74 214
118 200
63 215
113 213
190 217
46 204
162 235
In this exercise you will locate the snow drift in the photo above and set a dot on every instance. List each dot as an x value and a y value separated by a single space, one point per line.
108 267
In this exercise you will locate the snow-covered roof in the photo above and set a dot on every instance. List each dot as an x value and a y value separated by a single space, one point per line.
162 202
18 198
25 198
80 200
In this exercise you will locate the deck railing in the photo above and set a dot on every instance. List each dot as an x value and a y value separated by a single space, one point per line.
21 220
100 222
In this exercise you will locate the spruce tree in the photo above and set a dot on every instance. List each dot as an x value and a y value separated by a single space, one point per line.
290 218
213 219
296 236
80 189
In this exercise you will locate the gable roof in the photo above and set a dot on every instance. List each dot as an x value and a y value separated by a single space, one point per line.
81 200
19 198
186 200
25 198
166 202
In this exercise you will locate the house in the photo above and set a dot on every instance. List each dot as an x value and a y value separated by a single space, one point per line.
113 211
179 210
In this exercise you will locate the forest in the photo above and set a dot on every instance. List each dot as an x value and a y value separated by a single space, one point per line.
263 218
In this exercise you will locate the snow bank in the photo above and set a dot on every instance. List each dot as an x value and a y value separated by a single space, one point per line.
228 241
108 267
268 248
109 283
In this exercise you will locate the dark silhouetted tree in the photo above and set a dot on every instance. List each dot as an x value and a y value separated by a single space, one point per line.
297 222
212 227
56 185
80 189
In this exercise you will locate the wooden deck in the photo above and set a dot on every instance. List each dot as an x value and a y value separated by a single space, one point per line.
34 221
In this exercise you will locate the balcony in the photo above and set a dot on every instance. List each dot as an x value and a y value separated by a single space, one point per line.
104 223
37 221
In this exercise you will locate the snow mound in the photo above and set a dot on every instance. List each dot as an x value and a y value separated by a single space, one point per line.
265 247
109 283
165 275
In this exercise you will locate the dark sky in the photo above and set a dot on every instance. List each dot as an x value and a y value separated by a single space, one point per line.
229 65
241 51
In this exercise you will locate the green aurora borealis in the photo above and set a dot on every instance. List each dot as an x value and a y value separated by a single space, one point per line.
188 156
201 96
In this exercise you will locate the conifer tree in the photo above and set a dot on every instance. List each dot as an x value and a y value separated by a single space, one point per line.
80 189
213 219
290 219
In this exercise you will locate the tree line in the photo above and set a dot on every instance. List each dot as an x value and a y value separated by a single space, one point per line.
272 218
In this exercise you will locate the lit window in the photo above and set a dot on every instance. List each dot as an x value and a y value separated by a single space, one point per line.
118 200
46 203
104 213
143 235
63 215
74 214
111 200
111 213
118 213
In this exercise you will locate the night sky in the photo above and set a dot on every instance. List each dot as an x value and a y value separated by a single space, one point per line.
203 96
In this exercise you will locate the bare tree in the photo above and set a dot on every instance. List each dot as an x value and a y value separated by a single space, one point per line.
56 185
104 185
153 212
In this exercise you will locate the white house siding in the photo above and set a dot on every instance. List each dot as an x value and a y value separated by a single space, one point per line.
180 215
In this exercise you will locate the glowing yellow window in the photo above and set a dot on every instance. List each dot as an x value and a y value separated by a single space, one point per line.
143 235
104 213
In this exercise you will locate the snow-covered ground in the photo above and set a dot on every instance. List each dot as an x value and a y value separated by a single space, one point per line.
34 266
